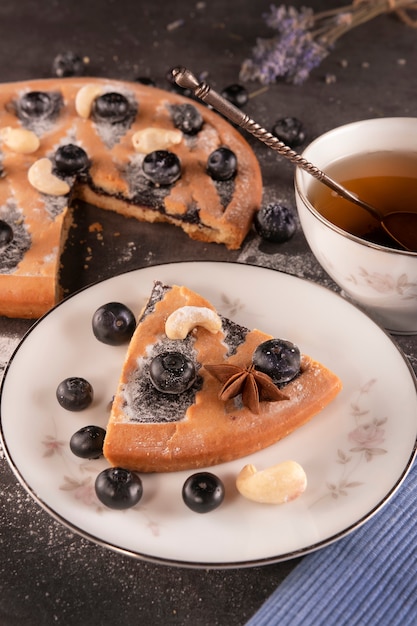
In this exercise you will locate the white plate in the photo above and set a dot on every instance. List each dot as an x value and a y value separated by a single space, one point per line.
355 453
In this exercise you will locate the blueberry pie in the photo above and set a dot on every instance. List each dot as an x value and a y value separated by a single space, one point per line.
128 147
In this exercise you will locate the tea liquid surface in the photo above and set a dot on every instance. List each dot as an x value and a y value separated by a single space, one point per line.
386 180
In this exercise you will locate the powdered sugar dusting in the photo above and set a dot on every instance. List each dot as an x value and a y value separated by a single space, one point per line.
207 139
7 347
299 263
111 134
144 403
13 253
43 124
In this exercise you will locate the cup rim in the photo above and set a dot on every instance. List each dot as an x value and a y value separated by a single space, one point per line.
320 217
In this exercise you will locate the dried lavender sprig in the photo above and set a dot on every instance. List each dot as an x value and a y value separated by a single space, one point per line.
291 54
360 12
304 39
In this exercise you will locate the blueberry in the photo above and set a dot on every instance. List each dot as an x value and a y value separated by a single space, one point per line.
172 372
162 167
74 393
275 222
236 94
222 164
6 233
118 488
113 323
187 93
145 80
111 107
71 159
203 492
68 64
277 358
187 118
36 104
289 130
87 443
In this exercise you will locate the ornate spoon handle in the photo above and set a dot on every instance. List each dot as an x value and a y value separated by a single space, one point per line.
186 79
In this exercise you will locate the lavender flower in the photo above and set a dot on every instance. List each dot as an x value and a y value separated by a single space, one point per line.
291 54
304 38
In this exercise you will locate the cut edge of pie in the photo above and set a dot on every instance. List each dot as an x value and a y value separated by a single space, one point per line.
206 209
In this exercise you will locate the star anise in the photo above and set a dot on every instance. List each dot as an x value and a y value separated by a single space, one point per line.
254 386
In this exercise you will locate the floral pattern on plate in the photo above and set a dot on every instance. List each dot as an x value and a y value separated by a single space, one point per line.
349 442
364 443
79 479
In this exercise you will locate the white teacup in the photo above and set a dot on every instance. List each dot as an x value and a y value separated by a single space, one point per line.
380 279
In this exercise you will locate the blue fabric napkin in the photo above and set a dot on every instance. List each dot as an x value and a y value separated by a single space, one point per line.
369 578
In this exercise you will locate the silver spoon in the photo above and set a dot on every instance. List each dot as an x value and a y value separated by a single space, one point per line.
401 226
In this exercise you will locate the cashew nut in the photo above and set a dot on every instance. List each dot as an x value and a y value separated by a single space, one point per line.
20 140
40 176
85 98
184 319
275 485
150 139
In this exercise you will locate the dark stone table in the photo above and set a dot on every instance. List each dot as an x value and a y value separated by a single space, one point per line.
48 575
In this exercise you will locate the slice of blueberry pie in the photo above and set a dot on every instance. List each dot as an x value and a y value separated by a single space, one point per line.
137 150
198 389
